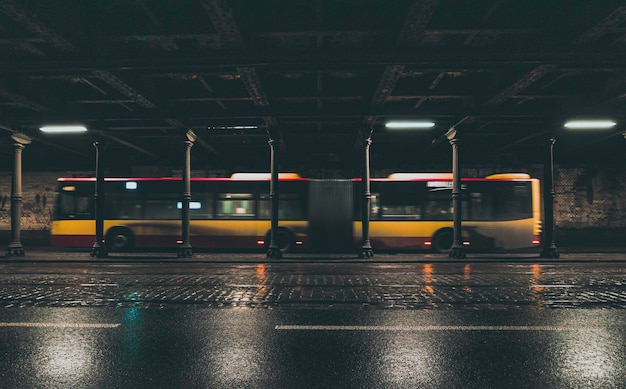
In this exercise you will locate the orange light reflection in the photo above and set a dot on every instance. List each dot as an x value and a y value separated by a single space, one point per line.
429 270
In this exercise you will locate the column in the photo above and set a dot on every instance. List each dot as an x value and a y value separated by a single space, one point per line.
273 251
549 247
15 248
99 248
366 248
457 250
185 250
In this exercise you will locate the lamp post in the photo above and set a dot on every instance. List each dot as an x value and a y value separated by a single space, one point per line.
99 248
366 248
15 248
549 247
185 250
273 251
456 251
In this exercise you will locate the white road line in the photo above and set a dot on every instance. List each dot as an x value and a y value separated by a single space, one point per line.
419 328
59 325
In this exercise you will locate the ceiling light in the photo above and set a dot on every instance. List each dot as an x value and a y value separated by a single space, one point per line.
62 129
232 127
409 124
589 124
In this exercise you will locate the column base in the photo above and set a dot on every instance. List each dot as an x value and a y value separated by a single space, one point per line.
366 251
99 251
185 251
15 249
274 253
457 253
550 252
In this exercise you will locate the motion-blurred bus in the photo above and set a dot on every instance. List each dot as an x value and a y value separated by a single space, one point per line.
409 211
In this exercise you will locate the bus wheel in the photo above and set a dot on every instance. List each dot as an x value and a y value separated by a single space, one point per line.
120 239
285 240
442 241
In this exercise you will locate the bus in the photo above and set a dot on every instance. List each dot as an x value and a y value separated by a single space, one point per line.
408 211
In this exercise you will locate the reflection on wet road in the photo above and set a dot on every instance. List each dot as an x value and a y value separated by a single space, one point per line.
411 286
313 326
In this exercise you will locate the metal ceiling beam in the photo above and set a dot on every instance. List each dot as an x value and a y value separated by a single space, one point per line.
123 88
419 15
22 101
352 112
223 22
611 23
126 143
521 84
432 60
417 19
30 22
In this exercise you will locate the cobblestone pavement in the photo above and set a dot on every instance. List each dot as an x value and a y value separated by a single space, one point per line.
310 285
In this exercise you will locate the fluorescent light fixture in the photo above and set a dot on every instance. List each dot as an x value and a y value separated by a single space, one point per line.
131 185
63 129
589 124
409 124
232 127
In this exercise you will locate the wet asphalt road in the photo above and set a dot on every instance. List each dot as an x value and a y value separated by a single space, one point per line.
307 325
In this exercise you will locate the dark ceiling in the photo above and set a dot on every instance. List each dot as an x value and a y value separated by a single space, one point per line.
318 75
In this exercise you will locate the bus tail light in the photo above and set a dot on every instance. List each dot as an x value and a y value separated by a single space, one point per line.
260 242
536 240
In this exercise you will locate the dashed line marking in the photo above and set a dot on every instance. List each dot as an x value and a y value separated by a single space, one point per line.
418 328
59 325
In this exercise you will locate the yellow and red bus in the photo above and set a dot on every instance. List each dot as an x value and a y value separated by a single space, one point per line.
414 211
408 212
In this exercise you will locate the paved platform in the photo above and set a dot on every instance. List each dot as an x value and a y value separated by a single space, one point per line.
566 254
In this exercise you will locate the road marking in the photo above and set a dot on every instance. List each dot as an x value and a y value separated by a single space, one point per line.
60 325
419 328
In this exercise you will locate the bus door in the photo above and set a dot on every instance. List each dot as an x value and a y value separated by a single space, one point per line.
330 215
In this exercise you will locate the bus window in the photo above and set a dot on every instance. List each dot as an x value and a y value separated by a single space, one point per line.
235 205
290 207
71 205
439 204
162 209
404 206
122 208
512 201
479 206
201 206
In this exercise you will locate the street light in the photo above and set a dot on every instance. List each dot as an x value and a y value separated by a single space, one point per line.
99 248
549 249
